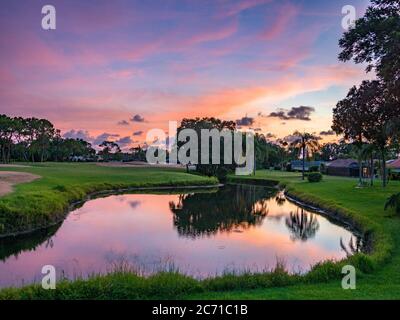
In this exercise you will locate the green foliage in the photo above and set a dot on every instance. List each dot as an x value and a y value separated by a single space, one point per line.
370 112
222 174
313 169
115 286
32 139
267 154
208 123
393 202
307 143
314 177
374 40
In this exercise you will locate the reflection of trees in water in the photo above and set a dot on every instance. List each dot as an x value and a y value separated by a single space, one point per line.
232 207
28 242
302 225
354 246
280 198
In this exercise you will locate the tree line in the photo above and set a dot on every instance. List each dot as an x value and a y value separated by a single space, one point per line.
33 139
369 116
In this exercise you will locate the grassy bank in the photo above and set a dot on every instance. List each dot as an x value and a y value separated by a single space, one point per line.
45 201
378 273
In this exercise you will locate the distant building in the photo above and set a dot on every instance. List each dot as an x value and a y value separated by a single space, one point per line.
394 166
343 167
297 165
82 159
394 169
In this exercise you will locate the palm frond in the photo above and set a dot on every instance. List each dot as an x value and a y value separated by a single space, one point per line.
393 202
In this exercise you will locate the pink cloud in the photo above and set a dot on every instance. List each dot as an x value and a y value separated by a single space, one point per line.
214 34
229 9
284 17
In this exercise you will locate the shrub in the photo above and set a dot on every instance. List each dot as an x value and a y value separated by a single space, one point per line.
314 177
314 169
394 176
393 202
222 173
60 188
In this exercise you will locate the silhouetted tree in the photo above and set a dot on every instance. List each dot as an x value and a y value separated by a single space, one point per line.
307 143
375 41
110 148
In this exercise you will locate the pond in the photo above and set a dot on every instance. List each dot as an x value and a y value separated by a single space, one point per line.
204 233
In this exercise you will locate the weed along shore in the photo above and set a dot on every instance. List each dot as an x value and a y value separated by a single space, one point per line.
375 264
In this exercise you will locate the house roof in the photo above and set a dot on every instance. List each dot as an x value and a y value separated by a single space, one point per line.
342 163
395 164
307 163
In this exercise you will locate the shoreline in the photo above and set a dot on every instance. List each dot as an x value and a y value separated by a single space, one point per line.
106 192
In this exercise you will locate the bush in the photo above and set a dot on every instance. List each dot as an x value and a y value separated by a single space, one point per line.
222 173
314 177
393 202
314 169
394 175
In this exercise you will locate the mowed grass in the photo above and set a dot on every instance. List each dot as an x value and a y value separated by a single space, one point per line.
46 200
378 274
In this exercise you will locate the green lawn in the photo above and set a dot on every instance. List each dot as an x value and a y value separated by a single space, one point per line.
46 200
378 273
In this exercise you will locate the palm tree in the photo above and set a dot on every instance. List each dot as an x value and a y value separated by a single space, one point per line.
367 152
359 151
306 142
392 131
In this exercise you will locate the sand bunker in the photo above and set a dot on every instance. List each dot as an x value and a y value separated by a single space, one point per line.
10 178
10 165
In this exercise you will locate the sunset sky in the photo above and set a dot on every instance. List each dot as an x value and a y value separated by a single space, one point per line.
114 69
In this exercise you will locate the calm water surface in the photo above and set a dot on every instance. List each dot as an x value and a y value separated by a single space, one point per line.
204 233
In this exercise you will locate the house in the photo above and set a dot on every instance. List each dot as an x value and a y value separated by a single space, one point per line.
394 169
394 166
343 167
